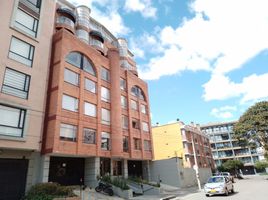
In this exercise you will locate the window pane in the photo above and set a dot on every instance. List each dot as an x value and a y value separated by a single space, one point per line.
74 58
90 109
16 83
134 105
124 102
87 66
90 85
26 23
125 144
89 136
123 84
143 109
105 140
137 144
71 77
21 51
105 116
105 74
135 124
68 132
105 94
147 145
124 122
70 103
145 126
13 121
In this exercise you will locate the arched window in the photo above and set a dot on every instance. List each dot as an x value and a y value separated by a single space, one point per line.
81 61
137 91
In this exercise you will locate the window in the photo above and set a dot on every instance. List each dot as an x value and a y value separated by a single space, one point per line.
147 145
79 60
90 109
137 144
143 109
124 102
21 51
105 141
117 168
68 132
136 91
105 74
145 127
16 83
12 121
89 136
26 22
135 124
105 94
90 85
71 77
69 103
123 84
124 122
134 104
125 143
105 116
32 4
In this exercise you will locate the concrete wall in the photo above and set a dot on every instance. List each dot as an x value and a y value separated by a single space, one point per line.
92 169
171 172
167 171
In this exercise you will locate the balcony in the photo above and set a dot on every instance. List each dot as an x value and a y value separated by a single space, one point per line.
96 40
65 19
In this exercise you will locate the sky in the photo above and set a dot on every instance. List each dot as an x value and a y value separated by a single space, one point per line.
204 60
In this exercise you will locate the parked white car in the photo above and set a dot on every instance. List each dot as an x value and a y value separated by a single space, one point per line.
218 185
228 175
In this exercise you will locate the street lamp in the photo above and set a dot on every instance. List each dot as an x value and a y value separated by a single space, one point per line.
196 164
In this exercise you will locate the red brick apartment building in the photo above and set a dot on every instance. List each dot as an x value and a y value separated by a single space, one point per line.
71 103
97 118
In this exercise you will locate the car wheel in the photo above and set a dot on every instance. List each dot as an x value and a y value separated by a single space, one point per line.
232 190
207 195
226 192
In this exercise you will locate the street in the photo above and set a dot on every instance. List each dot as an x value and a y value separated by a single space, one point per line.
252 187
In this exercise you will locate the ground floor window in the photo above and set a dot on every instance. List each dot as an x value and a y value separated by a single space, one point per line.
117 168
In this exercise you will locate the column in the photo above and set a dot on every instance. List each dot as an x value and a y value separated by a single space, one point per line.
92 170
44 168
116 129
125 168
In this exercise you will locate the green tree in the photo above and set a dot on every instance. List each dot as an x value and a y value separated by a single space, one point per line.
233 165
261 165
252 127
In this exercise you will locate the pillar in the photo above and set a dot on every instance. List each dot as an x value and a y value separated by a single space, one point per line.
116 129
125 168
44 168
92 170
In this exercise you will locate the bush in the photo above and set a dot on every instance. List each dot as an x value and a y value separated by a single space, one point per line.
140 180
261 165
49 191
118 182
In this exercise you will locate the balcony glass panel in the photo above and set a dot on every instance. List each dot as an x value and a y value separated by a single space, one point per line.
65 20
94 42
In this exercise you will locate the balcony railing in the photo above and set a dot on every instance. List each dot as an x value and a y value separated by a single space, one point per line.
65 20
94 42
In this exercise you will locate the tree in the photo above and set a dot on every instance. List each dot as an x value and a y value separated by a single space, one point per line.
252 127
233 165
261 165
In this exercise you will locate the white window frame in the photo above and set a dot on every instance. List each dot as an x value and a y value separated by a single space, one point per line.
15 54
105 94
123 102
16 83
105 141
105 116
90 85
88 109
66 134
105 74
66 98
69 73
134 105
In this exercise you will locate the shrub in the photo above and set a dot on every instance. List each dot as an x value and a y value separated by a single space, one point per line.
118 182
49 191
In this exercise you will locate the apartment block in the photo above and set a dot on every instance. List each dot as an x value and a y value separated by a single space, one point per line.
25 37
225 147
97 118
184 141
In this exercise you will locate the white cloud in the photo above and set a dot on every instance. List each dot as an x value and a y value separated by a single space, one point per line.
224 112
143 6
251 88
222 33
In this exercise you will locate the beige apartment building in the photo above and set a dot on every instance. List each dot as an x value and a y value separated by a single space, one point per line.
25 38
71 99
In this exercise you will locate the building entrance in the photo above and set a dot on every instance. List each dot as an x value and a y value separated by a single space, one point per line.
134 168
66 171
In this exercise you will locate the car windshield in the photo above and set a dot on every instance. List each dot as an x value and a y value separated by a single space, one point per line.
225 173
215 180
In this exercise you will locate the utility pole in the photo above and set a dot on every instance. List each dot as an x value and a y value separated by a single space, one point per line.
196 164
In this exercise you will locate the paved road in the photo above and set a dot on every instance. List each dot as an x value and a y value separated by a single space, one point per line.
250 188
